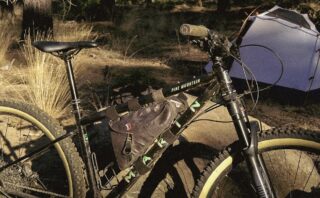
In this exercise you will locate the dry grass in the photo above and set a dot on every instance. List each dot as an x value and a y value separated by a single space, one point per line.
4 84
315 6
73 31
45 81
122 45
6 38
42 80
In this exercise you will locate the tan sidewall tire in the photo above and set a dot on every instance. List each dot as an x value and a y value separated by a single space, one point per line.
277 139
66 149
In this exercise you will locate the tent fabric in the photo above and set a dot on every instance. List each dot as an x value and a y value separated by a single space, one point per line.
290 16
294 38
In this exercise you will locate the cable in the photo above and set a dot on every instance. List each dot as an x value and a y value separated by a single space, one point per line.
212 107
246 69
278 57
211 120
238 33
243 65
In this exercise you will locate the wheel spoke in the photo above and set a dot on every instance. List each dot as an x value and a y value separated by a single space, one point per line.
4 193
36 190
20 138
287 170
295 177
271 163
309 176
3 138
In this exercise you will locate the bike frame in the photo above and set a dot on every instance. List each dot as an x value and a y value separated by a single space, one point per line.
218 81
86 150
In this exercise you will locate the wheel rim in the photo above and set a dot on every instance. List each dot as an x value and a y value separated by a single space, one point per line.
265 146
7 111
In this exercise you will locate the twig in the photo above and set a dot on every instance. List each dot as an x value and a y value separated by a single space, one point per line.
178 37
129 45
139 50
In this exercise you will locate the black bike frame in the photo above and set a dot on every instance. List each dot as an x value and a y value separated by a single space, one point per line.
177 127
82 133
219 80
240 119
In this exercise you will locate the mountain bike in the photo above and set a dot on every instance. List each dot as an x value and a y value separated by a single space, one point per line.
40 159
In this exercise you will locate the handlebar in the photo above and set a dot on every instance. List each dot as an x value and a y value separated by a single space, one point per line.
194 30
208 40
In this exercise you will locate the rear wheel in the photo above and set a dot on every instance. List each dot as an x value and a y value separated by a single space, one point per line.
56 172
292 158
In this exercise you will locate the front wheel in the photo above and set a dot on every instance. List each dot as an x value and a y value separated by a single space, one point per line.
292 159
55 172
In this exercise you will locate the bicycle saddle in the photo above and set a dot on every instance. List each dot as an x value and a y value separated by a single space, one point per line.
54 46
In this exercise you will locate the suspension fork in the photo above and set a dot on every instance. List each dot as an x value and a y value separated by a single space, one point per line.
246 131
83 136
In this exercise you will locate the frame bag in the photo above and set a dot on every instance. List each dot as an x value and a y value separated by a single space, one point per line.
133 133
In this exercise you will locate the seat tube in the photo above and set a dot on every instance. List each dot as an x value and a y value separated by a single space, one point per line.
84 141
73 89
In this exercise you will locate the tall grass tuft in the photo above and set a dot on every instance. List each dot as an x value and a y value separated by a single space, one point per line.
6 38
73 31
42 80
46 84
4 84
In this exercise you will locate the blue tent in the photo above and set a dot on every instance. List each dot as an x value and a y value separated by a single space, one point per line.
289 35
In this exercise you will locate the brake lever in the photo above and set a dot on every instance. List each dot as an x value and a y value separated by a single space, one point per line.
196 42
203 44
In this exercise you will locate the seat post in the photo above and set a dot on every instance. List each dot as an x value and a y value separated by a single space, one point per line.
73 88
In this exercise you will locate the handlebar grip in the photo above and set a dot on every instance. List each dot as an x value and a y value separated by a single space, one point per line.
194 30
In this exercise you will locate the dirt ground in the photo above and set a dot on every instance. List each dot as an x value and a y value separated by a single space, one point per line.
159 57
174 60
277 115
143 49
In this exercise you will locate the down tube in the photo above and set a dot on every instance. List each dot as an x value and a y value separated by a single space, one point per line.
177 128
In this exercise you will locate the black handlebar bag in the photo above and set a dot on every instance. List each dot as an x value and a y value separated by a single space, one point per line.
133 133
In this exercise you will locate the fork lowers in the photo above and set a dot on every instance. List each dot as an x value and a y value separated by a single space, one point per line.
246 131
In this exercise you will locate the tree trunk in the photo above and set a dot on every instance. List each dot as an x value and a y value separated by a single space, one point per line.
37 18
134 2
109 7
223 5
199 3
147 3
